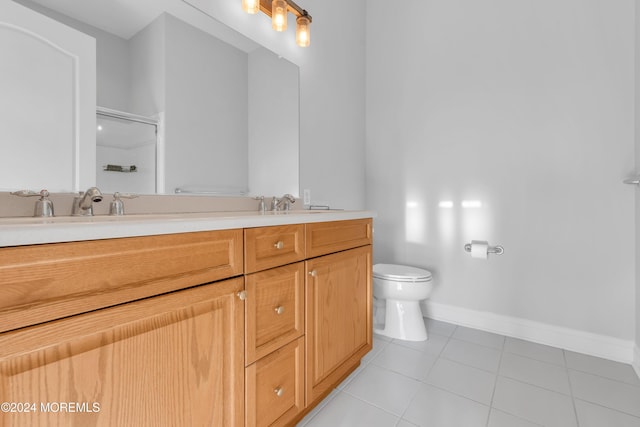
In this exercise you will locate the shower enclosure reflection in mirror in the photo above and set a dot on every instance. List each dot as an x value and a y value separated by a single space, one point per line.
127 150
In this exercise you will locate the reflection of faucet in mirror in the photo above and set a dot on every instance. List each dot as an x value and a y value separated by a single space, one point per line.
83 203
284 203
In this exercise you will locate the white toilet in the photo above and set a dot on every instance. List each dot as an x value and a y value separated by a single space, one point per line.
398 290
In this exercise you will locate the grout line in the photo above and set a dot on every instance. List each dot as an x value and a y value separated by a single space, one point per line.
582 371
321 406
608 408
539 359
573 399
537 386
495 385
379 407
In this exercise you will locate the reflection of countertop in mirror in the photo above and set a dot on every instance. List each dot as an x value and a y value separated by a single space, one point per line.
28 230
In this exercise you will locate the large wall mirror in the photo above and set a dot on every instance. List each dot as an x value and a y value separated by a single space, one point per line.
185 104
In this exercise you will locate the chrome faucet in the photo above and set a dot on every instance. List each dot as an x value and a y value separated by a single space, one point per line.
83 203
282 204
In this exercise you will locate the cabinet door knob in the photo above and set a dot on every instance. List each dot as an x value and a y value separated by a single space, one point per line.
279 391
279 309
279 245
313 273
242 295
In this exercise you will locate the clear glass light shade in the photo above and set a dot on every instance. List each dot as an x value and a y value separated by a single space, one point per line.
251 6
279 15
302 31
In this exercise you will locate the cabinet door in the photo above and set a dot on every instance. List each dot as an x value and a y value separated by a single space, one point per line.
275 387
274 310
338 317
171 360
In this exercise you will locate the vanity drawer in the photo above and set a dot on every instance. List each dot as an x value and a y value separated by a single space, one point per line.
275 387
267 247
274 309
39 283
327 237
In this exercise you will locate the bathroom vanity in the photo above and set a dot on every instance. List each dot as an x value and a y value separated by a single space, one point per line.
222 320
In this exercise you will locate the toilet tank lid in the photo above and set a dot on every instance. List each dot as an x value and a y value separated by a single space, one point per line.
401 273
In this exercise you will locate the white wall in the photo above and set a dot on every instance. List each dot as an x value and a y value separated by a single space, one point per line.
332 94
206 110
148 69
528 108
273 105
637 195
332 105
112 60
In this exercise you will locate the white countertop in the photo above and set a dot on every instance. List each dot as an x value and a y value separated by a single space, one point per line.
28 230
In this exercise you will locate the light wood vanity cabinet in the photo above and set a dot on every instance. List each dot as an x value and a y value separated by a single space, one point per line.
331 290
111 323
39 283
338 302
222 328
171 360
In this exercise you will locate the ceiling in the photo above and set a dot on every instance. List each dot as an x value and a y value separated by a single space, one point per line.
123 18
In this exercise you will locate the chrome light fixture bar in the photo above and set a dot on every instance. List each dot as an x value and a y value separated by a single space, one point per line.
278 10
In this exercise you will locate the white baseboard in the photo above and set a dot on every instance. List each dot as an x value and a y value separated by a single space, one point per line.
636 359
556 336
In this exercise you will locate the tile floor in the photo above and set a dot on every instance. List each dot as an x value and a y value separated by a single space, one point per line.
463 377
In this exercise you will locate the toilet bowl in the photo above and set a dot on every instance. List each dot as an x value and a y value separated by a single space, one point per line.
398 290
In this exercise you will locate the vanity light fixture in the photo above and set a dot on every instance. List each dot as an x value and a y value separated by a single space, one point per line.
278 10
251 6
302 30
279 15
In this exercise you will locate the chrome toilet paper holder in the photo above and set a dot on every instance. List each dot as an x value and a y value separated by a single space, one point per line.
498 250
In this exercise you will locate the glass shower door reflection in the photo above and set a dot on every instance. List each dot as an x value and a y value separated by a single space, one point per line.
126 153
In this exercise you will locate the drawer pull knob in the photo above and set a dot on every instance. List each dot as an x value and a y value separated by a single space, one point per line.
279 309
242 295
279 245
279 391
313 273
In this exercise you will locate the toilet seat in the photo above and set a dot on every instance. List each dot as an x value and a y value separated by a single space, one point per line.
401 273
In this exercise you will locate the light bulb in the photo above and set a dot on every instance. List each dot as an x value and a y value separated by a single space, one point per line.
302 31
251 6
279 15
